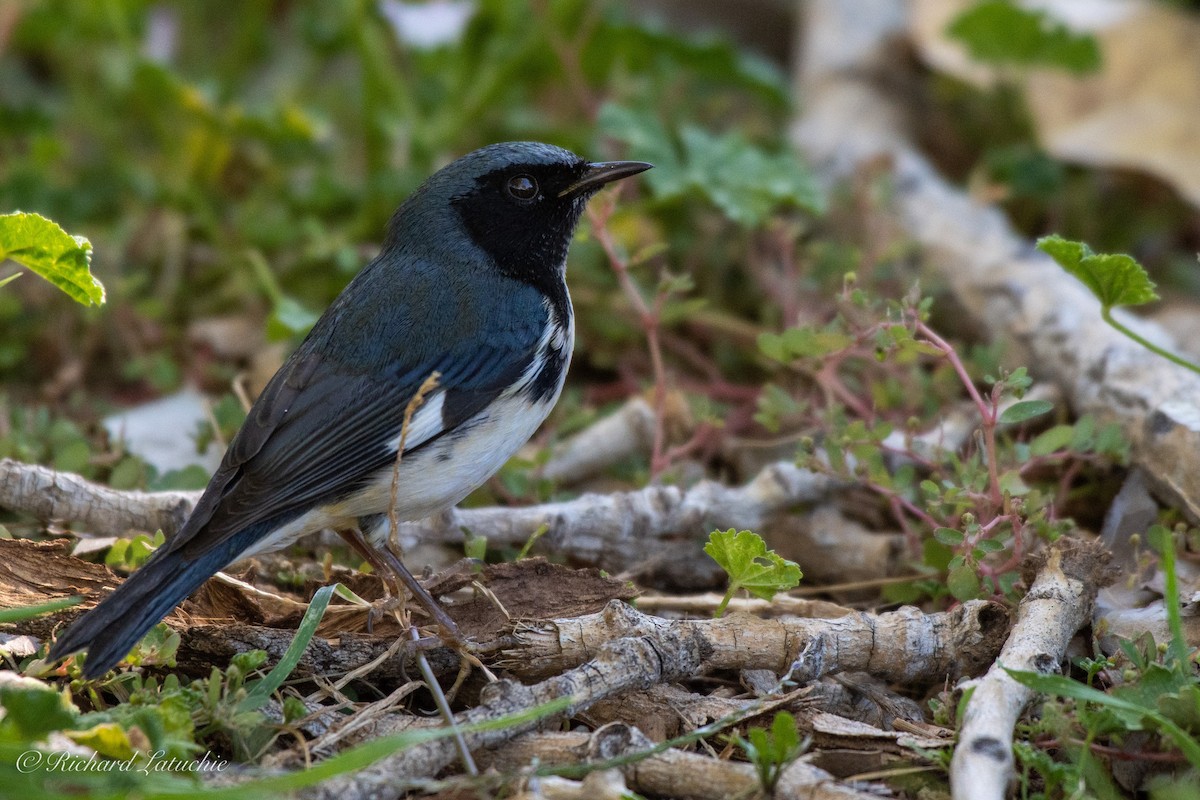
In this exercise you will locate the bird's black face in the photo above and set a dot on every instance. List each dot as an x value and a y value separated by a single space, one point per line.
523 214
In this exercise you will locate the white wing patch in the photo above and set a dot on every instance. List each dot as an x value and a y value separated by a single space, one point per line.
437 476
425 424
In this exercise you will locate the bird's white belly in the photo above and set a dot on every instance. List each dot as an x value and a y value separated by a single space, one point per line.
439 473
432 478
443 472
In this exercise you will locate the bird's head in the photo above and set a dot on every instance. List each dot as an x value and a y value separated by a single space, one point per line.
518 202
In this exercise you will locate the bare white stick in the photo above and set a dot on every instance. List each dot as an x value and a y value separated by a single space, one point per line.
619 531
627 432
1057 605
51 495
906 645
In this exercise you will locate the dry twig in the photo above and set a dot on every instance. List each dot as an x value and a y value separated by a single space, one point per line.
1058 603
906 646
618 532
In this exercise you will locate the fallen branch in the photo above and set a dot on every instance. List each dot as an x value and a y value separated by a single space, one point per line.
636 530
671 773
51 495
905 646
1058 603
619 666
706 604
627 432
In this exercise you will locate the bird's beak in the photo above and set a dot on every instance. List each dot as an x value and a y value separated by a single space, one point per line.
604 172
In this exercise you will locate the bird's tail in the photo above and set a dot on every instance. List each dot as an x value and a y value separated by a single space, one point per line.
111 629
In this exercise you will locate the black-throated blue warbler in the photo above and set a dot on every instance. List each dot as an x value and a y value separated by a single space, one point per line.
468 287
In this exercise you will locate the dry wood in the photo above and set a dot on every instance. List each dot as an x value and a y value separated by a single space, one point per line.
906 646
636 530
836 549
624 433
51 495
1051 323
1058 603
706 604
671 773
606 784
631 663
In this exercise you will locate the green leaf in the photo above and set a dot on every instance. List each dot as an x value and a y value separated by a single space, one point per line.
475 547
936 555
1083 434
750 565
107 738
949 536
1052 440
989 546
813 343
29 612
158 646
1000 32
41 245
261 691
289 319
1131 711
1025 410
32 709
963 582
711 56
785 735
1012 484
648 139
1111 441
771 346
771 750
1116 280
745 182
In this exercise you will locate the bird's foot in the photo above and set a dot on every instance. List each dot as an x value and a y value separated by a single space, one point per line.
388 606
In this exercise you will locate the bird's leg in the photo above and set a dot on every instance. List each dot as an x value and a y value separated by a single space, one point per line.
427 601
396 576
393 593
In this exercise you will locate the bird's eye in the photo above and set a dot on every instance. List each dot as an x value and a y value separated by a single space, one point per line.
522 187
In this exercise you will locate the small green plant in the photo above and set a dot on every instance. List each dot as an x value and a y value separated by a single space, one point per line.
1003 33
41 245
970 508
745 182
750 565
129 554
1115 279
771 750
1159 694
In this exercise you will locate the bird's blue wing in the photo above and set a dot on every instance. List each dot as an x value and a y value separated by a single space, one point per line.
320 430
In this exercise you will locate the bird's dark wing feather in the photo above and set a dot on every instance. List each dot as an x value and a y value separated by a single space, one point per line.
320 431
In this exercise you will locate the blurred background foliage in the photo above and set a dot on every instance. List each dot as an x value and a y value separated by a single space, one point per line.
246 163
235 165
223 161
234 169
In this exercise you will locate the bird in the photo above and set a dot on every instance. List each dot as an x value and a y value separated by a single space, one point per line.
463 322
